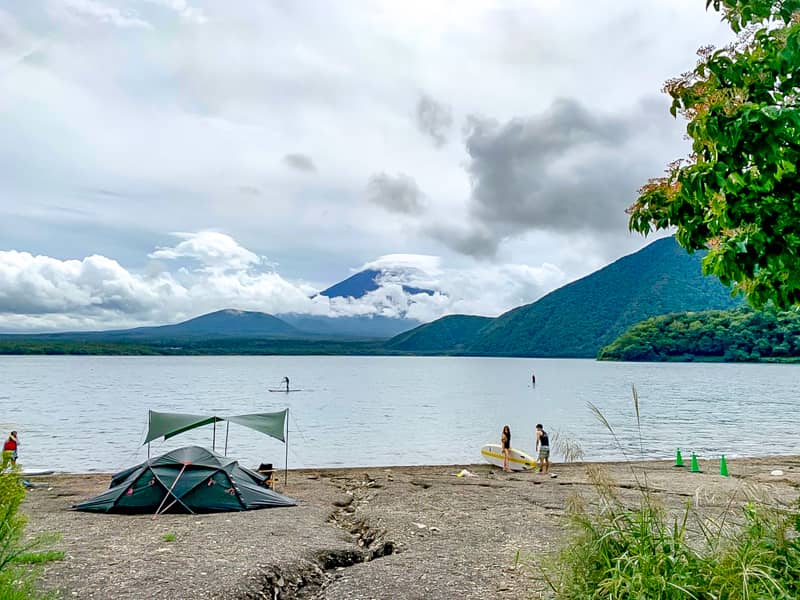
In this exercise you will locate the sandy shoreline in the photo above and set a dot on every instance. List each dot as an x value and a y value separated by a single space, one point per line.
361 533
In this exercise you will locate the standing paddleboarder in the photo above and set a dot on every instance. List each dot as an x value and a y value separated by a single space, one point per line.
286 381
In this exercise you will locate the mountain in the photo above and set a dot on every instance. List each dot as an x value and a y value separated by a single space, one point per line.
579 318
454 332
366 281
242 324
216 327
573 321
222 323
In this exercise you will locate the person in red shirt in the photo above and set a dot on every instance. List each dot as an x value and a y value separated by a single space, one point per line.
10 451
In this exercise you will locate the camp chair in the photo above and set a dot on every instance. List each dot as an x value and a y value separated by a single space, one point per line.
267 470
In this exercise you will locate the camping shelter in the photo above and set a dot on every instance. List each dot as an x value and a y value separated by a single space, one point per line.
188 480
167 425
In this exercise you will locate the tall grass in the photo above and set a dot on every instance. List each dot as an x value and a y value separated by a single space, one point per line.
619 549
565 446
17 577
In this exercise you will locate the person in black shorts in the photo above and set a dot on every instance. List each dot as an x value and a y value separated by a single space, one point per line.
543 446
505 444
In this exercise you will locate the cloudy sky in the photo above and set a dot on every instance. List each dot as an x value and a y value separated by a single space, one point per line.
163 158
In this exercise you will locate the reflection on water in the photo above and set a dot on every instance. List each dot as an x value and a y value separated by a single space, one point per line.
89 413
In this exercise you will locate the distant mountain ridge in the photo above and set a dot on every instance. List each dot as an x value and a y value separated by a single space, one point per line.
579 318
575 320
222 323
232 323
454 332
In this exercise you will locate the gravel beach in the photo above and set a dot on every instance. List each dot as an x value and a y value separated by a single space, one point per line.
376 533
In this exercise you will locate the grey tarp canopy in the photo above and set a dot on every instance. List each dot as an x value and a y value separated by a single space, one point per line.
167 425
188 480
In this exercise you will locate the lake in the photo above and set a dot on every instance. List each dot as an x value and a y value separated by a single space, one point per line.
82 414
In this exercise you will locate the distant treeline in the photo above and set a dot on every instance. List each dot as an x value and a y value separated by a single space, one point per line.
738 335
219 346
33 346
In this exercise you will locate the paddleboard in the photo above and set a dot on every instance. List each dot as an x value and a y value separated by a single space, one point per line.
35 472
285 391
517 460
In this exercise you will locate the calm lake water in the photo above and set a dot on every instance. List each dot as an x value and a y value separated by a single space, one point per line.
83 414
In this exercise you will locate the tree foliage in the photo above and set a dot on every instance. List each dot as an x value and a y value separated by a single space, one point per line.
64 344
738 194
732 335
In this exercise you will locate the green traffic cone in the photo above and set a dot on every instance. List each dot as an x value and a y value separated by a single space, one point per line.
723 466
695 468
678 458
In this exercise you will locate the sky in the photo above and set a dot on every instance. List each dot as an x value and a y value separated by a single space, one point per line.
164 158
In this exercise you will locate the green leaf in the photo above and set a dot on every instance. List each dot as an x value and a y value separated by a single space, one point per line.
743 175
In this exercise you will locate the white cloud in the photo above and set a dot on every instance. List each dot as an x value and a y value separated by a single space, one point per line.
215 251
183 9
422 262
96 285
93 10
15 43
41 293
145 122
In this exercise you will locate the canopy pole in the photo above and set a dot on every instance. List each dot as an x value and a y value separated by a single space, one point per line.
286 457
214 437
227 428
148 450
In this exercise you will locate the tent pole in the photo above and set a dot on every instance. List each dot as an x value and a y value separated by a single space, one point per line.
169 491
286 457
214 438
148 450
227 428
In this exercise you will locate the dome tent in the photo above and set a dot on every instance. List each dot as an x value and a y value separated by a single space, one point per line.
189 480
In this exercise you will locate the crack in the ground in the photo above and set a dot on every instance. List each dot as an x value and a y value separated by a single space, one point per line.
630 486
306 579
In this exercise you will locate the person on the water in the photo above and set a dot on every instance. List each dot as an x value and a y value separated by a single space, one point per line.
286 381
533 379
10 451
543 446
505 444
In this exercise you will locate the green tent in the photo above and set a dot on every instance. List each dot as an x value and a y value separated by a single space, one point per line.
188 480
